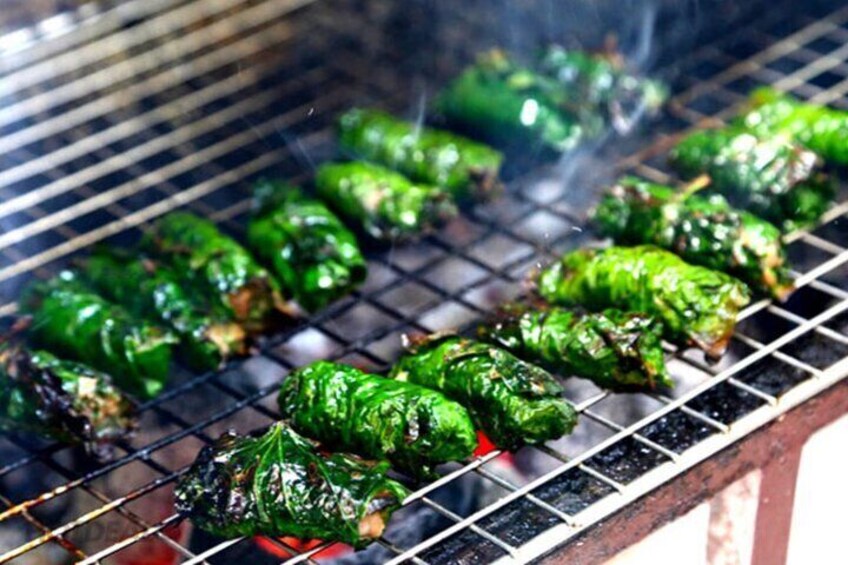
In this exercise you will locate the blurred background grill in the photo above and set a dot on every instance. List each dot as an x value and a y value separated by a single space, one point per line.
114 113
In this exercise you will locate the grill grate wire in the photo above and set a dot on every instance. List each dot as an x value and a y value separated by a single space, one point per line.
85 159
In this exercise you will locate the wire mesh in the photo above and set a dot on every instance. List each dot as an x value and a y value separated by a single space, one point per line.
131 119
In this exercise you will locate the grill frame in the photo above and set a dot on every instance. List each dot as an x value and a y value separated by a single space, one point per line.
509 273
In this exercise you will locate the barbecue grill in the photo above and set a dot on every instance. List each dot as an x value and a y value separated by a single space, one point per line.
112 114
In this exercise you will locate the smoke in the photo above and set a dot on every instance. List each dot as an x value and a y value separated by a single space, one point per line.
639 56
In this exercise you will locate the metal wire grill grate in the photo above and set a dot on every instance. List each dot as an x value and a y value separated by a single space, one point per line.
127 122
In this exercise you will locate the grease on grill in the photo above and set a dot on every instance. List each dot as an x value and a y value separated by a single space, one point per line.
835 231
809 302
572 491
677 431
839 323
816 350
764 326
725 403
772 376
804 257
518 522
626 460
464 548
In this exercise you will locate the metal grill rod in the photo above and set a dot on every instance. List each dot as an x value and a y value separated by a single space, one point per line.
708 447
198 158
365 340
89 29
194 129
125 512
110 76
619 485
141 216
187 103
86 45
777 50
629 431
64 542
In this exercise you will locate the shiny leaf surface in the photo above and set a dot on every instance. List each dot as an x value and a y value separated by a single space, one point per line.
413 427
384 204
277 483
63 400
314 256
72 321
612 348
469 170
512 401
705 231
696 305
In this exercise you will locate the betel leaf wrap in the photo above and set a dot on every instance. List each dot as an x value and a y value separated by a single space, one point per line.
615 349
415 428
769 175
597 84
512 401
704 231
697 305
150 289
60 399
217 266
505 103
384 204
819 128
314 256
466 168
73 322
277 483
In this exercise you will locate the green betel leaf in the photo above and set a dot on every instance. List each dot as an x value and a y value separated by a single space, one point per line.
72 321
150 289
512 401
217 266
704 231
507 103
597 87
820 129
767 174
467 169
63 400
415 428
697 306
382 203
614 349
277 483
313 255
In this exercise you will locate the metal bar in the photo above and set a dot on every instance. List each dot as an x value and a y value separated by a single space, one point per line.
795 318
141 216
89 30
714 464
789 336
62 541
125 543
125 512
189 102
567 518
197 159
449 249
129 67
59 532
474 528
674 457
201 557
